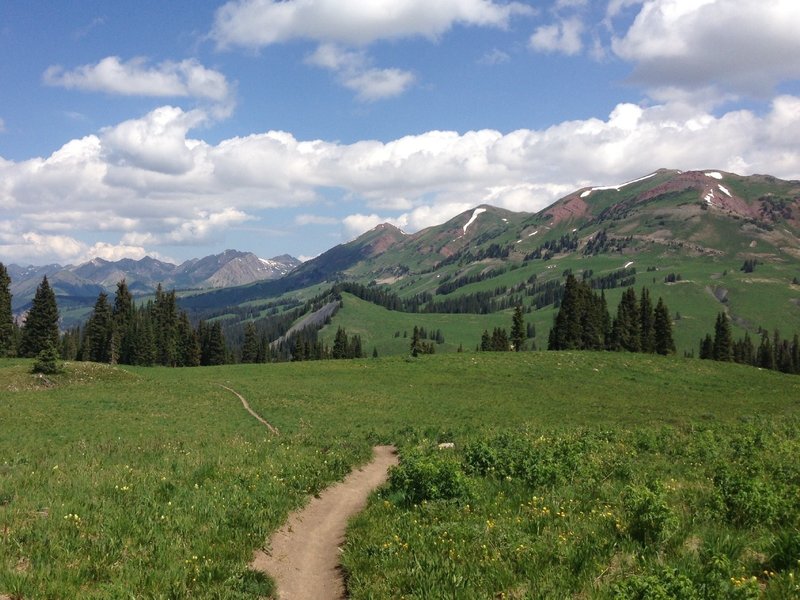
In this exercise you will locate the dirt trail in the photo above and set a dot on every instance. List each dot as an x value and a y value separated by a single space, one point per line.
248 409
304 554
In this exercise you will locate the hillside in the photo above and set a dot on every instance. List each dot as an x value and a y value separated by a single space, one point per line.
705 241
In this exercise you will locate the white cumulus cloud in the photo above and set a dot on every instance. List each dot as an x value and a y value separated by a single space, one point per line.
741 46
564 36
353 71
150 183
135 77
258 23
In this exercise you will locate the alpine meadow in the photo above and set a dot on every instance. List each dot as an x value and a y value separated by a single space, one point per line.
396 300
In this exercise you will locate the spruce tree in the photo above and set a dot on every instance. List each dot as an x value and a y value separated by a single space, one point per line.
250 347
626 331
7 327
765 355
47 360
567 333
517 329
416 343
212 345
485 341
723 342
188 348
339 349
663 342
706 348
647 336
97 338
165 317
41 323
499 341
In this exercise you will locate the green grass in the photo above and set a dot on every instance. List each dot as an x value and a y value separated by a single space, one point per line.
174 484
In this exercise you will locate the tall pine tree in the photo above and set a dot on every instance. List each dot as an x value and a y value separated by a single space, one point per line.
626 331
517 329
663 342
40 330
723 341
97 336
7 327
250 347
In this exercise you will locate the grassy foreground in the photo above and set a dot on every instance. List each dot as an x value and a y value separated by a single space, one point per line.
573 474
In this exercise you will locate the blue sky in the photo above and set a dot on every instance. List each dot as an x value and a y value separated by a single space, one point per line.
180 129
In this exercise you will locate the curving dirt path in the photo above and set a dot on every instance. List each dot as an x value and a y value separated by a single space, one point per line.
304 554
246 405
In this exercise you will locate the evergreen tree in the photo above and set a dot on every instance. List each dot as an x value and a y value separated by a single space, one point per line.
567 333
723 342
647 336
355 350
517 329
706 348
796 354
485 341
339 349
626 331
663 342
70 343
7 327
765 355
41 323
212 345
593 320
143 342
165 323
250 347
47 360
416 344
374 352
188 349
499 341
743 351
123 304
97 337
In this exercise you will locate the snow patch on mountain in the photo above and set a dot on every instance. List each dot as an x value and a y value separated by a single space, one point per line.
616 188
714 175
474 216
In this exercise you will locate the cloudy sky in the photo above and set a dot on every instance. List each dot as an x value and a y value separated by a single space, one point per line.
178 129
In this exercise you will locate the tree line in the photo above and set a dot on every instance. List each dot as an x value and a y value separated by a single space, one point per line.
773 352
583 322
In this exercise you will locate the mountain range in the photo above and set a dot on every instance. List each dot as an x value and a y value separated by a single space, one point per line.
87 280
707 241
695 237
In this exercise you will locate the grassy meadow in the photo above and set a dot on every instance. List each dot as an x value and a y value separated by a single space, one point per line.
574 474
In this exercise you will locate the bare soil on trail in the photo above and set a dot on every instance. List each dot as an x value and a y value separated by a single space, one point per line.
303 556
246 405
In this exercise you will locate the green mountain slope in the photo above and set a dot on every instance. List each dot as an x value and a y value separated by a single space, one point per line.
687 235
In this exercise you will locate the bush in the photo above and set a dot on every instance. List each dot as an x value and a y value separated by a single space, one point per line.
664 586
422 478
650 519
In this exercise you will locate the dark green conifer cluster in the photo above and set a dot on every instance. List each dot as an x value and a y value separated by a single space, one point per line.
155 333
584 323
776 353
